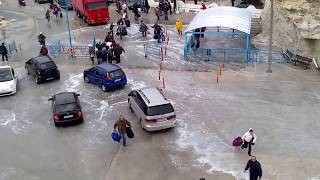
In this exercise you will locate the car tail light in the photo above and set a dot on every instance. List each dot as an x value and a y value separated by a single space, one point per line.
107 76
171 117
79 114
151 120
55 117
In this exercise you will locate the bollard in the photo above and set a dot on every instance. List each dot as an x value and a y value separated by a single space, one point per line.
20 47
217 77
165 50
163 84
161 65
159 76
167 39
220 71
223 66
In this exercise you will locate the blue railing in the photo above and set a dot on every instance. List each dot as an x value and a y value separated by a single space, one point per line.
152 49
55 48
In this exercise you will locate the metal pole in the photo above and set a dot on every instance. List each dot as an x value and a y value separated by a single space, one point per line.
270 40
68 23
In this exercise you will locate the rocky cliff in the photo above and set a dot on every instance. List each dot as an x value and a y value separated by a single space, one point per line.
296 25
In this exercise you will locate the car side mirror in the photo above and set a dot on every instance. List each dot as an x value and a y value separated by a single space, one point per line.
130 94
16 77
50 99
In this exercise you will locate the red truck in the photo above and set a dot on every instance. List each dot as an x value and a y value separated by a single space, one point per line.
92 11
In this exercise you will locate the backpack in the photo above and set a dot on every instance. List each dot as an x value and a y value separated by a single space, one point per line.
237 142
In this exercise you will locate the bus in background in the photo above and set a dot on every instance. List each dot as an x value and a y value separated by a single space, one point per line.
92 11
65 4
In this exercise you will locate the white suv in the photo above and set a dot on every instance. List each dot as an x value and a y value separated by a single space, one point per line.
152 108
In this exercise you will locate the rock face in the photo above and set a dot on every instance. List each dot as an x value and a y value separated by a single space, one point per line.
296 25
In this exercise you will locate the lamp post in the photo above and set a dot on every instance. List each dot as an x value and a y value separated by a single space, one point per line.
68 23
270 38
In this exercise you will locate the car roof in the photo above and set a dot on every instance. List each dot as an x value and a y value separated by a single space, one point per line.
5 67
153 96
43 59
109 67
64 97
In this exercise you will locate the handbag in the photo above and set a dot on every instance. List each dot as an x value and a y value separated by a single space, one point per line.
129 132
115 136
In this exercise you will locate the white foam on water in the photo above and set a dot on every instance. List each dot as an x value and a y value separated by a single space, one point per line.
12 173
73 82
136 84
8 119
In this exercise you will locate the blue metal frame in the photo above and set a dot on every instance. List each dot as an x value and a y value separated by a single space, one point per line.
188 35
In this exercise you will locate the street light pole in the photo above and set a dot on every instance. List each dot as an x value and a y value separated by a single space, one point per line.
270 38
68 23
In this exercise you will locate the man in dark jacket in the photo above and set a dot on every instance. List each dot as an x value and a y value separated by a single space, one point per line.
109 37
254 168
232 2
143 29
4 52
146 6
117 51
122 124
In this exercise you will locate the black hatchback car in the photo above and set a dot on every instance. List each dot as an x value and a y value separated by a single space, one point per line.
42 68
66 108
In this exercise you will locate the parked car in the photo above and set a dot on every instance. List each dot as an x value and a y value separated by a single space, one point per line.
152 108
106 76
42 68
8 81
66 108
41 1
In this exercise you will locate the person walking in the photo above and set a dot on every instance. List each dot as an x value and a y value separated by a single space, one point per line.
143 29
110 54
146 6
117 52
44 51
99 56
42 39
4 52
179 26
174 5
249 138
195 2
48 15
254 167
232 2
166 8
122 124
203 6
104 54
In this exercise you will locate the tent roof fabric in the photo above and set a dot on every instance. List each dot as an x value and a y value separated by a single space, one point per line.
225 16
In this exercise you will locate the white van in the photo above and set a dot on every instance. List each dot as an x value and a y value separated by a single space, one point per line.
152 108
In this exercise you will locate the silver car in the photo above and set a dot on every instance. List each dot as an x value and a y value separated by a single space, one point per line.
152 108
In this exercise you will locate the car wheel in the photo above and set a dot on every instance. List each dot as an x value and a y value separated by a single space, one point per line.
104 88
56 124
86 79
36 80
27 70
58 77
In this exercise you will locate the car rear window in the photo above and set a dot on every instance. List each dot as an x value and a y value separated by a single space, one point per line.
116 74
161 109
47 65
66 107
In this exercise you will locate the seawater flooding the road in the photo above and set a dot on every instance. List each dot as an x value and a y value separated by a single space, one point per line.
209 116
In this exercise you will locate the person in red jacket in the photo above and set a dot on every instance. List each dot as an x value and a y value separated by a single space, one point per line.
43 51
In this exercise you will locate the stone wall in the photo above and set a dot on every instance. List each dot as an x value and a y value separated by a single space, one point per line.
296 25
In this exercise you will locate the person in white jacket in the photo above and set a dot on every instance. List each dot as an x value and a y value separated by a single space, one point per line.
249 138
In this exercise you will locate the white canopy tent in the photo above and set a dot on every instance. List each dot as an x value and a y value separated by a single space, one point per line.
225 16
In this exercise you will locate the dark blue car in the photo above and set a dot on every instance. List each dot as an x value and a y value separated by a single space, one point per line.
106 76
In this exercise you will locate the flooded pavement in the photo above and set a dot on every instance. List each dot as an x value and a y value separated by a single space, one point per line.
281 107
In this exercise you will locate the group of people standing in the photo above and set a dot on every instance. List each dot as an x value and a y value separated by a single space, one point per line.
106 52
